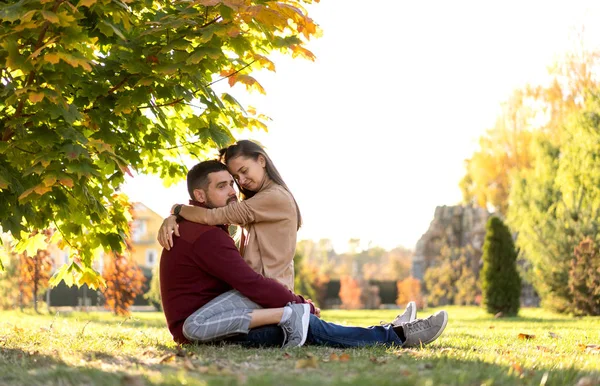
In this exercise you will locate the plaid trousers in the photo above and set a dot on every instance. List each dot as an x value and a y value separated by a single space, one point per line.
226 315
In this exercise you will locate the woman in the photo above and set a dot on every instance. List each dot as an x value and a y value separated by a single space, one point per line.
268 213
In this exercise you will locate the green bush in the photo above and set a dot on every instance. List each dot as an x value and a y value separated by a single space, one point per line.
500 281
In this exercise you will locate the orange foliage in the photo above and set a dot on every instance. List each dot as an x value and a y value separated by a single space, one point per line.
34 273
124 281
409 289
350 293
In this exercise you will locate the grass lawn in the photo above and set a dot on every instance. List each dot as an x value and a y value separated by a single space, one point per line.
476 349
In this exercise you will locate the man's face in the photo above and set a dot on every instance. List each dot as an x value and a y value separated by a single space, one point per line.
220 191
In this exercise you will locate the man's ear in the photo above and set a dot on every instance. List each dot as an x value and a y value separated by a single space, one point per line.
200 195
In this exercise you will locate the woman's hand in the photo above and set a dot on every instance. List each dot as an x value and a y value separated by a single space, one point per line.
166 231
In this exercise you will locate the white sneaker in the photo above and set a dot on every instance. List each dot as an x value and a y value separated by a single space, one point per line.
409 314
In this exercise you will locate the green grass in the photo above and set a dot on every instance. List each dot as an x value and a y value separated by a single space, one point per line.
476 349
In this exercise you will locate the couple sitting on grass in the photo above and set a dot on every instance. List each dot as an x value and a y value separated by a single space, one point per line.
213 292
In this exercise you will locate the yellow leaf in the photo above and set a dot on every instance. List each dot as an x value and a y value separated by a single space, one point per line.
86 3
250 82
209 3
52 58
268 16
526 336
50 16
26 18
302 52
234 4
25 194
41 189
35 97
308 363
49 181
32 244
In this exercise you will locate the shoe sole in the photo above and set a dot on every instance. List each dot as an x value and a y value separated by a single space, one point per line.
441 329
413 314
305 322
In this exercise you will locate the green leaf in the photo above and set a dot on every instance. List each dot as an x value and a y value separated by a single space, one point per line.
31 245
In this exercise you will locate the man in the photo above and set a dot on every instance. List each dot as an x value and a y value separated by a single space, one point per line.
209 293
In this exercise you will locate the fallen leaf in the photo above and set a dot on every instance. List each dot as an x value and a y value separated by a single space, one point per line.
517 367
18 330
308 363
166 358
334 357
553 335
287 355
592 349
405 373
187 363
128 380
543 348
445 349
526 336
377 360
344 357
588 381
492 327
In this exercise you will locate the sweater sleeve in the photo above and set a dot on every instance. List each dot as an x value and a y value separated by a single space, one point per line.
221 259
270 205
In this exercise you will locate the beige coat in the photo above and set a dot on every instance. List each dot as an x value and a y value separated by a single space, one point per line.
271 222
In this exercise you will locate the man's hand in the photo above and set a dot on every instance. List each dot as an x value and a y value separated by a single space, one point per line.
317 309
166 231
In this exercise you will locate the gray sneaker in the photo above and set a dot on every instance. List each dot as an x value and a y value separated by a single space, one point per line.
424 331
409 314
295 329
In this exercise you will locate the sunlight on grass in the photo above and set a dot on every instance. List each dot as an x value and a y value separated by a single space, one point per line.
99 348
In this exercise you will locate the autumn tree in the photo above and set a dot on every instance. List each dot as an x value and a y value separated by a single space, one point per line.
555 205
351 293
584 279
409 290
34 274
9 278
500 281
95 90
124 281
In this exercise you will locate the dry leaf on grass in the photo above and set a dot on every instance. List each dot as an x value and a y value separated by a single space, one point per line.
517 368
344 357
543 348
308 363
526 336
378 361
129 380
590 348
492 327
166 358
334 357
553 335
286 355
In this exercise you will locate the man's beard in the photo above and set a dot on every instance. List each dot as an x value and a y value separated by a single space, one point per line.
211 205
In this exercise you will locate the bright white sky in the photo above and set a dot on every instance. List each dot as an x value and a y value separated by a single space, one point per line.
372 136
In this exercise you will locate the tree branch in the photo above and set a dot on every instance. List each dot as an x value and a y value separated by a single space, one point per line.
174 102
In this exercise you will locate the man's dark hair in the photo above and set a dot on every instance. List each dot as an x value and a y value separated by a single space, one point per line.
197 177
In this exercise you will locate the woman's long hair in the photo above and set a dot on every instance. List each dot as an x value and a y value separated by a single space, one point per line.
250 149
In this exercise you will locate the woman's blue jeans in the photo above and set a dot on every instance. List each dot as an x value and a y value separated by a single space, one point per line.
322 333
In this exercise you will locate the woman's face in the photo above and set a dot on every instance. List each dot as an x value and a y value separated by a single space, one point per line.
249 173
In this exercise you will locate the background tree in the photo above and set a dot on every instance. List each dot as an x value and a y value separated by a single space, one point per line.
34 267
500 281
584 279
124 281
557 204
94 90
9 278
409 289
153 294
351 293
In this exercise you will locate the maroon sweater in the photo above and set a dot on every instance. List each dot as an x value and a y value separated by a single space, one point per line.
203 264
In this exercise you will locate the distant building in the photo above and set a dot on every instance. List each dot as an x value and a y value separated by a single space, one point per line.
146 249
